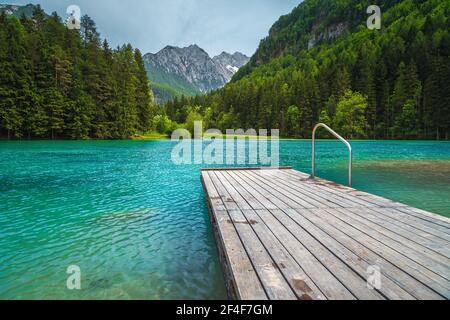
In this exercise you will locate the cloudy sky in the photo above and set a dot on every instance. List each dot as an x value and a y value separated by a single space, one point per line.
150 25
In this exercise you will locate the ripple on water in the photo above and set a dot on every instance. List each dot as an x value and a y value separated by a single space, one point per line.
137 225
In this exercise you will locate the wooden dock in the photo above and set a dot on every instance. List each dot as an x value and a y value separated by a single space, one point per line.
284 236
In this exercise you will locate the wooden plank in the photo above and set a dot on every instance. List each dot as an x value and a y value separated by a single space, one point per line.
314 245
365 224
298 238
341 199
212 195
317 200
439 253
269 275
403 230
408 248
265 203
249 197
322 278
440 231
437 230
348 277
274 193
228 202
303 286
246 169
272 179
299 281
269 200
441 244
429 278
407 282
287 191
359 261
363 198
245 282
232 193
331 287
428 216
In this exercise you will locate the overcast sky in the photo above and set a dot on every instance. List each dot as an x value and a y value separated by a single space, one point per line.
150 25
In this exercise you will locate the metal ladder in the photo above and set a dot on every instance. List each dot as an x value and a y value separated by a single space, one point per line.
349 147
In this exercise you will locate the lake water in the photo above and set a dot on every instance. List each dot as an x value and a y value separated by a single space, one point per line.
137 225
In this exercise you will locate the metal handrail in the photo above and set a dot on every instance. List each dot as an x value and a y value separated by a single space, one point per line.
350 163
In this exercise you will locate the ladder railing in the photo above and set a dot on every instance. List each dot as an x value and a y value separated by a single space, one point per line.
350 163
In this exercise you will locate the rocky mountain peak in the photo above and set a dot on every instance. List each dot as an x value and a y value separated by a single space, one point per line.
17 10
193 66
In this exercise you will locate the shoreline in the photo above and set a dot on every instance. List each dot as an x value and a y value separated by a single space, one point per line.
167 138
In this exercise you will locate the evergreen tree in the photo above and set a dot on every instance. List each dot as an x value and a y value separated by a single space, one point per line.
402 70
60 83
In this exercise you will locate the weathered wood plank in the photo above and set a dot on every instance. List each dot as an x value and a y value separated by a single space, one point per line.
421 255
274 193
429 278
270 276
247 169
359 261
353 282
413 235
249 197
341 199
397 213
377 230
328 284
402 278
435 229
284 236
269 200
290 186
304 287
300 282
246 281
212 195
357 196
422 214
265 202
240 271
322 277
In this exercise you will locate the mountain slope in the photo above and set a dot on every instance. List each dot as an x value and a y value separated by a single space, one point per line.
189 71
322 63
16 10
310 23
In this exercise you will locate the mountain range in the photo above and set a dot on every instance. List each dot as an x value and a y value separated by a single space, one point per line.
189 71
16 10
175 71
321 63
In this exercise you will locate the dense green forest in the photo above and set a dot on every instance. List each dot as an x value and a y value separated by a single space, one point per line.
62 83
322 63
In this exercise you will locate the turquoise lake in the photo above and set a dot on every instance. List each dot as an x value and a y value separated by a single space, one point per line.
137 225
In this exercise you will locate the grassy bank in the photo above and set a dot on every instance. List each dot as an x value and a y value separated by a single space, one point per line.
151 136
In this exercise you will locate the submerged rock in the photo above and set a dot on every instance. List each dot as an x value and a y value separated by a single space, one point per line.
124 215
102 283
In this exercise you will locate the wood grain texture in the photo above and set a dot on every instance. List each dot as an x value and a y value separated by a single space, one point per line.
282 235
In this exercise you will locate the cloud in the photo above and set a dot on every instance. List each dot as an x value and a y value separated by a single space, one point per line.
150 25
